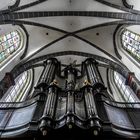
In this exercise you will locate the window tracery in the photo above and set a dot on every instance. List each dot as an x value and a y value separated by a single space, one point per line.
18 92
131 43
126 92
9 44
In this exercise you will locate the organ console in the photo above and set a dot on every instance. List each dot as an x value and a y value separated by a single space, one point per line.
58 103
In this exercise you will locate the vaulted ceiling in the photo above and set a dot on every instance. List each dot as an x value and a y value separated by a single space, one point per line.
67 25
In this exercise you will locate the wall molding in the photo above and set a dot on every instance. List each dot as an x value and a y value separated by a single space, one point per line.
127 5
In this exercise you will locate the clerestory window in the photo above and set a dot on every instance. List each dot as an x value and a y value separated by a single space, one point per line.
9 45
131 43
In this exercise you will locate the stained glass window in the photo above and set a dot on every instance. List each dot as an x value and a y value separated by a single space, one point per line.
18 92
131 43
9 43
126 92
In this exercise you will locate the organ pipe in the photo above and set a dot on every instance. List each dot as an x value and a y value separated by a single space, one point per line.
86 105
51 102
70 76
48 72
93 73
91 110
70 86
50 107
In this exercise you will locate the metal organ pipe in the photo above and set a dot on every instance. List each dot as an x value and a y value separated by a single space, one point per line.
91 108
95 82
70 86
48 72
50 107
51 101
93 73
47 76
90 103
70 109
49 87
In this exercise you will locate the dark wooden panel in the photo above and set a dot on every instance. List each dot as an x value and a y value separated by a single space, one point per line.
134 114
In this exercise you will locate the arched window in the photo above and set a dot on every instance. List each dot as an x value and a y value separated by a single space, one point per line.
19 91
131 43
126 92
9 44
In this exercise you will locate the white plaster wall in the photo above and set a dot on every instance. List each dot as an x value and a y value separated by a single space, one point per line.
117 2
75 5
5 3
70 23
70 59
71 44
102 71
4 29
24 2
8 65
134 28
136 4
37 74
104 40
38 38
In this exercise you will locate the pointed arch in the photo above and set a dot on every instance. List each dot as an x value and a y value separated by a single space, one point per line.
19 91
12 46
131 43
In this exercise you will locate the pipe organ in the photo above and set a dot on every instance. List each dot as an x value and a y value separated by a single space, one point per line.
49 83
70 99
